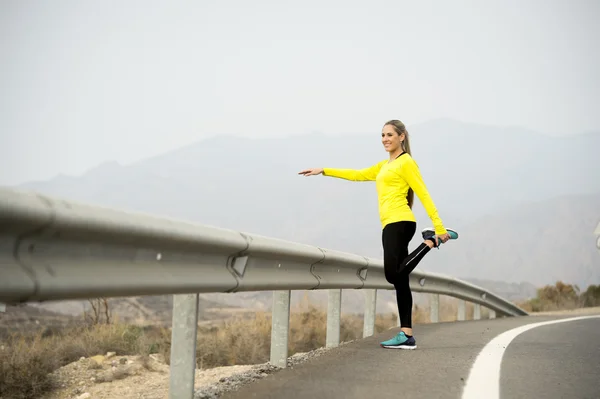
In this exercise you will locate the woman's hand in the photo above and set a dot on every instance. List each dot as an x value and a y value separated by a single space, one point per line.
311 172
442 237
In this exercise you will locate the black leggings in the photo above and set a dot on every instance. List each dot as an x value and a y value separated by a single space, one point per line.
398 264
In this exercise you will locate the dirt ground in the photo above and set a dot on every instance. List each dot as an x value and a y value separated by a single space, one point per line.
127 377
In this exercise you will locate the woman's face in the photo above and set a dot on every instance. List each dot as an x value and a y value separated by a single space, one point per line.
390 139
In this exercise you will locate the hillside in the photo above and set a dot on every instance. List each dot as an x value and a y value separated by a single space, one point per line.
144 310
27 318
478 176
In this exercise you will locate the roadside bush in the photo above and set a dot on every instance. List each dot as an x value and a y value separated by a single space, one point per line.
591 297
562 296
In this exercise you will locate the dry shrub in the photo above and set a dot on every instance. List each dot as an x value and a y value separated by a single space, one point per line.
420 315
26 361
591 297
98 339
248 340
560 296
308 330
24 367
236 341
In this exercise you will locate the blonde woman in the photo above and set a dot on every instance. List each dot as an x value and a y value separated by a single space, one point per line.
397 180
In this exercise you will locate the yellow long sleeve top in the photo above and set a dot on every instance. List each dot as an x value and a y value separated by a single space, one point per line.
393 180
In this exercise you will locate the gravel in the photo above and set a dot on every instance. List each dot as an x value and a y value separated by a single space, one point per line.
258 372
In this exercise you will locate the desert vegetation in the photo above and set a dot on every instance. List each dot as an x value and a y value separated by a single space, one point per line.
561 296
26 360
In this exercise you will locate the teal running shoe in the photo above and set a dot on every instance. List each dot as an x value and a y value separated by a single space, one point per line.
429 234
400 341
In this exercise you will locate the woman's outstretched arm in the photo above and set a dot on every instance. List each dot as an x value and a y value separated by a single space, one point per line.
411 173
366 174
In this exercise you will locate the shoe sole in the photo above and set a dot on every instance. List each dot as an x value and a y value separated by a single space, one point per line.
399 347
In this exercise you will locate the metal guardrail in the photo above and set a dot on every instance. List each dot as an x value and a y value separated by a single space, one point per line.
55 249
52 249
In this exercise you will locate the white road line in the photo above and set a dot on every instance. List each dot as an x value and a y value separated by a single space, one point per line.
484 377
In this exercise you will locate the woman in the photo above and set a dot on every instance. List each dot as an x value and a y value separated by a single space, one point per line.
397 179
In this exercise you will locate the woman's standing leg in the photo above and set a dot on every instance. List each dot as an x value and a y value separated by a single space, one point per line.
398 264
405 303
396 237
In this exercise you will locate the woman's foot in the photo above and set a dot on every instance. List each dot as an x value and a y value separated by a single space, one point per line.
400 341
429 236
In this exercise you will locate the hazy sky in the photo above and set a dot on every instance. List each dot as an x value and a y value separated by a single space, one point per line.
86 82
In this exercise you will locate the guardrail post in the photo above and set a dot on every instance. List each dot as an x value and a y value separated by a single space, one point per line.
370 310
434 308
280 328
334 310
183 346
492 314
2 307
476 311
462 310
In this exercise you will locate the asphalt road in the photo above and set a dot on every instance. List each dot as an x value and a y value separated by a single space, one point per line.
471 359
562 359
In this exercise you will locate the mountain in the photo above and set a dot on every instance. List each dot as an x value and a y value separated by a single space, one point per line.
23 318
141 310
504 188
